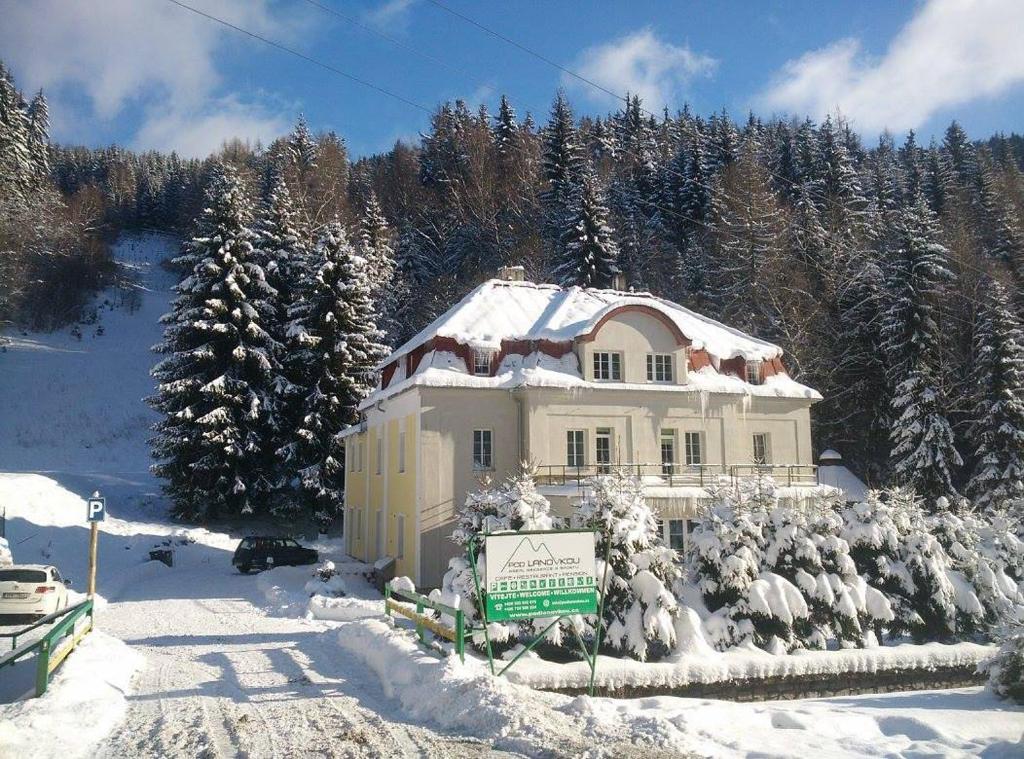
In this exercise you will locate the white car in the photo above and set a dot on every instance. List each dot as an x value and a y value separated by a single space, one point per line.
32 590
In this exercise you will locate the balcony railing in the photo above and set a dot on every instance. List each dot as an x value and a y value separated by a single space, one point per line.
678 475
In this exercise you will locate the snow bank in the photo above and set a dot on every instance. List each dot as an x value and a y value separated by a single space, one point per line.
708 666
86 700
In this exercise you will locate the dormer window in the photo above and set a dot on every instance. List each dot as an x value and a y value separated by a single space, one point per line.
482 363
753 370
608 366
659 367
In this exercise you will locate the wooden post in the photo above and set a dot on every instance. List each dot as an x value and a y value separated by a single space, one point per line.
93 535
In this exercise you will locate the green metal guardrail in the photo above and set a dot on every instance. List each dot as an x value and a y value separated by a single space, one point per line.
55 645
457 635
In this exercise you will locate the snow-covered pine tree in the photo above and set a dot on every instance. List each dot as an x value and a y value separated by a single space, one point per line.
376 247
589 251
639 607
334 334
998 429
875 530
216 380
506 131
39 136
562 166
923 454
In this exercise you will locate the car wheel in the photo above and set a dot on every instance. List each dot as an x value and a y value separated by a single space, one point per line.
245 569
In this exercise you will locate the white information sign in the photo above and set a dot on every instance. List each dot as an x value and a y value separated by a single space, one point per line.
540 574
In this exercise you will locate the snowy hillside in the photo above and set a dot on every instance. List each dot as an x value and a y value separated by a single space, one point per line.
75 405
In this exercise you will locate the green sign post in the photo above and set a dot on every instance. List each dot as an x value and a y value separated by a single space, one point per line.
540 574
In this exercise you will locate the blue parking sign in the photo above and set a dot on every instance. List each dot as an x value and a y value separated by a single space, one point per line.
97 509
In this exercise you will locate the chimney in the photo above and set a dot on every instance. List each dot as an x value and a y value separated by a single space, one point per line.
512 273
619 281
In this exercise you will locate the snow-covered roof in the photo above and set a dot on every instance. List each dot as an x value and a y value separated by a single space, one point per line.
501 310
838 476
830 456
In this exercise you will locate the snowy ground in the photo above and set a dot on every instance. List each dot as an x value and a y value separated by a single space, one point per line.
233 665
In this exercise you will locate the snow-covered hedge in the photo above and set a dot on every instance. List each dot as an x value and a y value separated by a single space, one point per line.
1006 668
763 572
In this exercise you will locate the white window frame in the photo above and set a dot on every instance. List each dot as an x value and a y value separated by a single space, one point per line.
765 458
752 372
400 540
380 454
401 451
661 368
482 361
600 435
575 449
676 528
483 455
688 449
672 438
607 366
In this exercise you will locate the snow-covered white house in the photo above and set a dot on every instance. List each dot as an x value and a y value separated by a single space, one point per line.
575 381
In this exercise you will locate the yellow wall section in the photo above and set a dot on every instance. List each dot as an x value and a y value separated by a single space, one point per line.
402 493
355 496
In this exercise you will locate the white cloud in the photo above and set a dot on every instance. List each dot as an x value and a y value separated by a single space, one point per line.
951 52
642 64
126 57
390 15
201 131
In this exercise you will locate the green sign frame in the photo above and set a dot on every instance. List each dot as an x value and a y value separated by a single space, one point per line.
529 603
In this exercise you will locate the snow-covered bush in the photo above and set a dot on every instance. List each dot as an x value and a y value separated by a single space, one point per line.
639 607
728 561
1006 668
326 582
6 559
513 505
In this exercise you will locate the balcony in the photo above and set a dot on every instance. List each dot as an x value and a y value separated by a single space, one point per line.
679 475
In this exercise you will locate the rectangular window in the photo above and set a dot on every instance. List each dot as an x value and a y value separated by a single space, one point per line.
400 527
762 450
381 534
482 363
483 454
380 454
608 366
401 451
357 523
659 367
668 451
603 450
753 371
575 452
677 534
694 454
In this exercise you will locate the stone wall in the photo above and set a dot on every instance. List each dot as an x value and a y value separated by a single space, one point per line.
807 686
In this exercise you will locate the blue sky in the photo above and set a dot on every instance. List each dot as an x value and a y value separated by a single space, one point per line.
149 74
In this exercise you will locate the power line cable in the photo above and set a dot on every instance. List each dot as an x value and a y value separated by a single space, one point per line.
303 56
393 40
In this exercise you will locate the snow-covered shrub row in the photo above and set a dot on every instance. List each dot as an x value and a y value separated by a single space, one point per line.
784 577
779 577
1006 668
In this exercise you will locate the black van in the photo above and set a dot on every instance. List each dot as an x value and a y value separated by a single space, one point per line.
263 553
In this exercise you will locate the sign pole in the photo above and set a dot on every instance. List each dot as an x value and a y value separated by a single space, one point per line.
96 511
93 536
